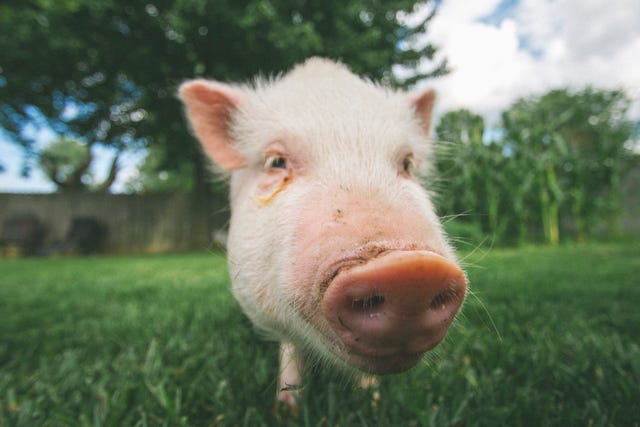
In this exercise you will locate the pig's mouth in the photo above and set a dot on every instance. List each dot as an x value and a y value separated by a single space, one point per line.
388 310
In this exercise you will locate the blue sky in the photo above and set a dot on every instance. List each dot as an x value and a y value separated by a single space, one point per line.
499 50
13 158
11 180
502 11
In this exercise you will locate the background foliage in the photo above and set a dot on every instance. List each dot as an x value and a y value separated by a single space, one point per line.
555 168
106 71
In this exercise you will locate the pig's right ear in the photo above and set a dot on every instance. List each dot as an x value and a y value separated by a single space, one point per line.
209 108
423 102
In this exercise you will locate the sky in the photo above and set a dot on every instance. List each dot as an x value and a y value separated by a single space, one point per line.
499 51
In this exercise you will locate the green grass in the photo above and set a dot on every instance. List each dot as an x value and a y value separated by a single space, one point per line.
550 337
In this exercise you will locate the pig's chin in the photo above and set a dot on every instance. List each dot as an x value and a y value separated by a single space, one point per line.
393 364
381 360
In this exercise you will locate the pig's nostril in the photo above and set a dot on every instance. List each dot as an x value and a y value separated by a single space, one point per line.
443 299
367 304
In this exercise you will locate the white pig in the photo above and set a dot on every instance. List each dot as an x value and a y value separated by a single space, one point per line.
334 247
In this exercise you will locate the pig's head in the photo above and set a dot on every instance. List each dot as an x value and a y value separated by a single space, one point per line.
333 244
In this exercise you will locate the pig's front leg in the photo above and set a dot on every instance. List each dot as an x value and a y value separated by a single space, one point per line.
290 382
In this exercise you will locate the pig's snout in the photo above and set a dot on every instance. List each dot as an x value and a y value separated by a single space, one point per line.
392 308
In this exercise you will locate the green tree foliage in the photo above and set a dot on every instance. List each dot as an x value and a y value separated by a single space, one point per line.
107 70
66 163
555 171
463 161
577 140
152 177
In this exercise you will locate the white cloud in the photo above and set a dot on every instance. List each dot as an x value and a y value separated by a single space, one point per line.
538 45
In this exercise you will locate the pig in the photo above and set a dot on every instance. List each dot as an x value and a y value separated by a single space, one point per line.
334 246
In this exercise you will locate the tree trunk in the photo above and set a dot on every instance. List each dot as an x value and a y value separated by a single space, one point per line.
553 196
577 208
111 177
554 224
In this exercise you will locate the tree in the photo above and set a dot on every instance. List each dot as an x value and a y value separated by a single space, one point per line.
112 66
66 163
152 177
56 73
573 143
555 169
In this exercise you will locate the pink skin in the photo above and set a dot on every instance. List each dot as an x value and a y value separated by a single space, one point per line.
387 292
393 308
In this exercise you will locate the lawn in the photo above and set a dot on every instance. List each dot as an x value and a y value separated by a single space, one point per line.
549 337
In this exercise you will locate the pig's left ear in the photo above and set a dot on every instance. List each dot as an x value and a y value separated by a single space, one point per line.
423 105
209 108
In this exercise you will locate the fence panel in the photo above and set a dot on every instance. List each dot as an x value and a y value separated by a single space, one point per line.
133 223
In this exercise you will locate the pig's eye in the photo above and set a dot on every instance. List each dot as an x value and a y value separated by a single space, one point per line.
408 164
275 162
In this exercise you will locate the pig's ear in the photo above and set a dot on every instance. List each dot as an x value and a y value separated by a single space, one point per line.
423 105
209 107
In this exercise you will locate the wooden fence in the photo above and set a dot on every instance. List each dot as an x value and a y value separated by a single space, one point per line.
172 222
132 223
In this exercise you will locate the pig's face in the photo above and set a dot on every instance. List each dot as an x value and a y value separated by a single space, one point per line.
333 244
